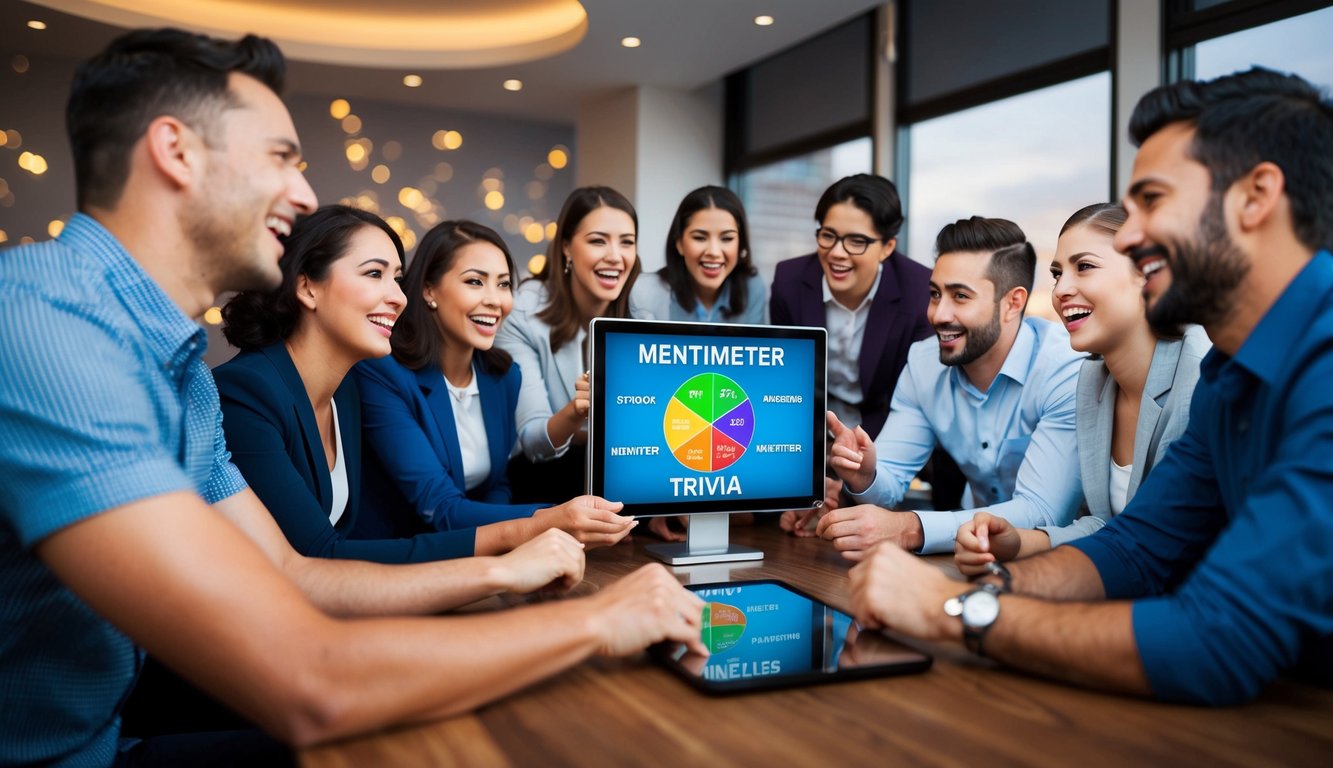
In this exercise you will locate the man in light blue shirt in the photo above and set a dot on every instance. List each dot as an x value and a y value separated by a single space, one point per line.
993 388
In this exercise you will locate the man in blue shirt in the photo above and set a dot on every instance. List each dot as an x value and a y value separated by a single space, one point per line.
123 524
1215 578
994 388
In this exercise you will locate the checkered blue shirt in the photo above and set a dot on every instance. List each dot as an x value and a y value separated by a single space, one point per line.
104 400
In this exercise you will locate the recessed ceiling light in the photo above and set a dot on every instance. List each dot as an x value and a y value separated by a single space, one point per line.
763 21
35 24
513 85
631 42
412 81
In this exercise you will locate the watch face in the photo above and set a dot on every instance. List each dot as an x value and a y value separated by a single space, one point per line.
980 609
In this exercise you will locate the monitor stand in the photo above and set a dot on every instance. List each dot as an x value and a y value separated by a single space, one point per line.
708 541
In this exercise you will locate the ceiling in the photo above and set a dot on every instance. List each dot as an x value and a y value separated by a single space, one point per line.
686 43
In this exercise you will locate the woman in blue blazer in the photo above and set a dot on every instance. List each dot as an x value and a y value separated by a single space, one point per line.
439 414
292 416
1134 391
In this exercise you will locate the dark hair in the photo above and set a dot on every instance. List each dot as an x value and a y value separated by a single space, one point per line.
675 272
873 194
1106 218
416 338
1013 261
254 319
1250 117
560 312
141 76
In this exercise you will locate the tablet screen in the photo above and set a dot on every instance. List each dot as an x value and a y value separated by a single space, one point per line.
766 634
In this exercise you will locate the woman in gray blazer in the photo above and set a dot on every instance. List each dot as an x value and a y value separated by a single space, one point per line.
591 266
1134 391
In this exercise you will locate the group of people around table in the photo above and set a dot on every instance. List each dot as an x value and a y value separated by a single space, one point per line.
403 437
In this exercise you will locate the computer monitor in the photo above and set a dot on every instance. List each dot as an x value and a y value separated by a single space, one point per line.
706 420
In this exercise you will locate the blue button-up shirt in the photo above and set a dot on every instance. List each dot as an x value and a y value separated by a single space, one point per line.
1228 540
1015 442
104 400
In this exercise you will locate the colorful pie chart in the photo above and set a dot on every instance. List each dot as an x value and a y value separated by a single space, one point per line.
708 423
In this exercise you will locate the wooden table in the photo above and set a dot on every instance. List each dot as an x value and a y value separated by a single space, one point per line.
963 711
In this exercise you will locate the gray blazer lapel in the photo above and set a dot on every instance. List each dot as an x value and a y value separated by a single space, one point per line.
1095 419
1153 413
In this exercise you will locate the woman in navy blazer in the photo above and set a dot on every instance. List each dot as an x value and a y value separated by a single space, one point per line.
439 414
1134 393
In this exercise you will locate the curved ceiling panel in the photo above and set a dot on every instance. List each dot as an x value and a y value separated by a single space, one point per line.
421 34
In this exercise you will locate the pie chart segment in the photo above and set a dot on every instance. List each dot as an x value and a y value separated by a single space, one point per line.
697 395
680 424
725 450
695 453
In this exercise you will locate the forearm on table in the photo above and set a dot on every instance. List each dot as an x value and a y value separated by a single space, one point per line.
1090 644
498 538
1063 573
358 588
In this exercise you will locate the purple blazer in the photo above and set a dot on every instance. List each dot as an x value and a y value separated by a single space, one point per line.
897 319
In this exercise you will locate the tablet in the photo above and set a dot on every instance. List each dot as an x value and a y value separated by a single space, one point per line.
766 634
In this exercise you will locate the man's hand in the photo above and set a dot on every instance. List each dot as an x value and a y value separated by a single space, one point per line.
852 455
891 589
982 539
553 558
854 530
591 520
801 522
643 608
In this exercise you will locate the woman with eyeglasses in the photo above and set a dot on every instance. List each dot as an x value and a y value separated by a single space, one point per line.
708 276
871 298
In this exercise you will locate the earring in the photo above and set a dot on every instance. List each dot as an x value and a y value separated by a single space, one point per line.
567 268
431 303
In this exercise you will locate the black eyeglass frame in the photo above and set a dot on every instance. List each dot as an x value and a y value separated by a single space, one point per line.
846 244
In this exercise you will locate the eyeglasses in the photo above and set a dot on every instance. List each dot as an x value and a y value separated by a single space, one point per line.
854 244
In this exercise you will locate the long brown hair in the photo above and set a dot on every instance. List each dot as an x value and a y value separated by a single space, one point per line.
560 312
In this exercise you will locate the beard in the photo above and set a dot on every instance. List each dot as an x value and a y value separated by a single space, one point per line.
1206 272
978 341
221 229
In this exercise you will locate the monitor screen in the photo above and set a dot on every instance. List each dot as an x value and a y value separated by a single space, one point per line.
693 418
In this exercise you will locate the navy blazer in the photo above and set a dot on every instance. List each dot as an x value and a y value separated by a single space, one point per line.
408 419
271 432
897 319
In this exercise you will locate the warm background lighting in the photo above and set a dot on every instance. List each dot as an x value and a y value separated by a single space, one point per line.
558 157
513 85
631 42
55 228
35 24
339 108
494 200
763 21
412 81
213 316
379 174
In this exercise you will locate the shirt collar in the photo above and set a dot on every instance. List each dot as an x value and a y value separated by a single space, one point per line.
1268 345
171 336
870 295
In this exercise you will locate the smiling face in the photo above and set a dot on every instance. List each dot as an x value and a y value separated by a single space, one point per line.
356 304
963 307
850 275
710 247
1177 235
1098 293
472 297
251 192
600 254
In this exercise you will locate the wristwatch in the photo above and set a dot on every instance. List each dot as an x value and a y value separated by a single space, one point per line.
978 608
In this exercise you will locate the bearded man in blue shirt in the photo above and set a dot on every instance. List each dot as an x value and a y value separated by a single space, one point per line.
1214 580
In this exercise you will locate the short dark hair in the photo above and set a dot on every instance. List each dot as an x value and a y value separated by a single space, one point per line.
1013 261
560 311
675 273
254 319
1246 118
873 194
141 76
416 338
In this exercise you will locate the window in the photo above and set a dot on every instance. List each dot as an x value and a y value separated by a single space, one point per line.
780 199
1033 158
1299 44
